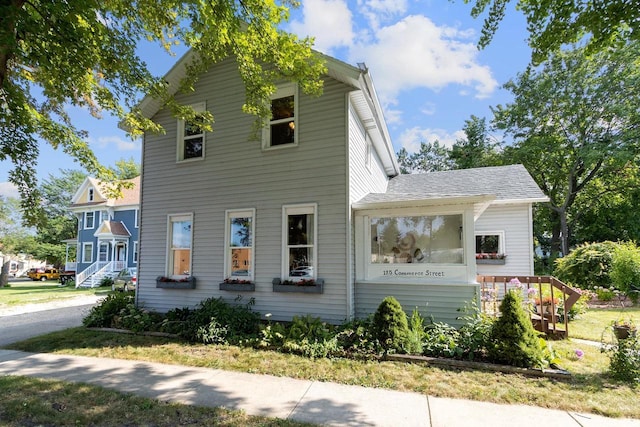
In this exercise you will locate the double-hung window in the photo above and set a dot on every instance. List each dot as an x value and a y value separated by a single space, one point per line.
281 131
239 243
299 241
103 253
89 220
135 252
191 137
180 232
87 253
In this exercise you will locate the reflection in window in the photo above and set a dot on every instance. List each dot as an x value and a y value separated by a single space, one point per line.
191 136
239 245
281 130
488 244
417 239
300 241
180 245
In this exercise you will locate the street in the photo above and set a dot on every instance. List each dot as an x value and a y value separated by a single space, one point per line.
18 327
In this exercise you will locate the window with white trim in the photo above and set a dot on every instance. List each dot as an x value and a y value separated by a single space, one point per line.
239 232
87 253
299 241
191 137
135 252
490 243
137 218
104 216
103 252
89 220
281 130
180 236
90 196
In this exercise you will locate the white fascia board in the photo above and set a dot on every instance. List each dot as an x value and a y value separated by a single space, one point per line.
442 201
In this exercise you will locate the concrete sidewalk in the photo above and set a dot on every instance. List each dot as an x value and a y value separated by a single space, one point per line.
310 401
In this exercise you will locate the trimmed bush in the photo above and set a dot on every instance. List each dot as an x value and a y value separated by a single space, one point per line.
587 266
390 326
514 341
625 270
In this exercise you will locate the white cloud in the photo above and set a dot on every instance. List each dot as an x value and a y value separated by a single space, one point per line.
7 189
412 138
377 11
416 53
329 21
119 143
428 109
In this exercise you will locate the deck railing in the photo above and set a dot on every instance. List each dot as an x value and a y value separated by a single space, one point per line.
544 320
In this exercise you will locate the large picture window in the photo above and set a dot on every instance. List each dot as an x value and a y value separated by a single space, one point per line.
300 237
281 131
239 244
180 238
435 239
191 138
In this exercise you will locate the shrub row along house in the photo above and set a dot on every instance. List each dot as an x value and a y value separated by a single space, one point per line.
313 217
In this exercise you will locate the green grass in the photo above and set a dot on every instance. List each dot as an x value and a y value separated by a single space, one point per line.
589 390
30 292
34 402
595 324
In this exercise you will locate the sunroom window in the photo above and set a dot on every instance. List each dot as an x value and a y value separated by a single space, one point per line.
435 239
239 244
191 138
180 238
300 237
281 131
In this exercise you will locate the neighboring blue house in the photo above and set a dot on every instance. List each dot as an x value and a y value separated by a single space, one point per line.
108 228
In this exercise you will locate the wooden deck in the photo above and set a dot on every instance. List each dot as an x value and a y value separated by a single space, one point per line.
551 319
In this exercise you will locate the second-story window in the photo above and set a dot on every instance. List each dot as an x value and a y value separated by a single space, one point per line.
191 138
89 220
282 131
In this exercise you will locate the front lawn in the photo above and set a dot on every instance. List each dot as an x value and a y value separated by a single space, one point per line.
30 292
589 390
595 323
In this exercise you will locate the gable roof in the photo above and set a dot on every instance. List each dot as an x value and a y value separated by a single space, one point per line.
130 196
481 186
508 183
364 99
112 229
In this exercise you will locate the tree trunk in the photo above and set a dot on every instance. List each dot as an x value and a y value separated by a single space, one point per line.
556 232
4 273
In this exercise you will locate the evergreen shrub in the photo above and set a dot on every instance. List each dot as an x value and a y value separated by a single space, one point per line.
390 326
514 341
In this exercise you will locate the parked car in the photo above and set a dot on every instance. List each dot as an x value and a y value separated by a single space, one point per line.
126 279
43 274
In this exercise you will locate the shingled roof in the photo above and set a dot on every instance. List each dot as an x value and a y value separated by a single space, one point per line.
501 184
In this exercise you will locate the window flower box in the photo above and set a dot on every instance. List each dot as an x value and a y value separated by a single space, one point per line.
490 258
169 283
305 286
237 285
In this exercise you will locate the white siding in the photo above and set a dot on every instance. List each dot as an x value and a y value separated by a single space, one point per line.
237 174
515 221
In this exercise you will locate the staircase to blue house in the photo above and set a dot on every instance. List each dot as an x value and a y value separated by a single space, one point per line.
92 276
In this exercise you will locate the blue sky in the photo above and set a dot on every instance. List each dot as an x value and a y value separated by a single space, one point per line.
421 54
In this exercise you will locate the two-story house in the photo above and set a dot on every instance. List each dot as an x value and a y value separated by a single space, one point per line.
108 230
313 217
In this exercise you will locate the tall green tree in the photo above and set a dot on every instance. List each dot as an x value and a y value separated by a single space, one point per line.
126 169
477 149
554 23
432 157
574 119
82 53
